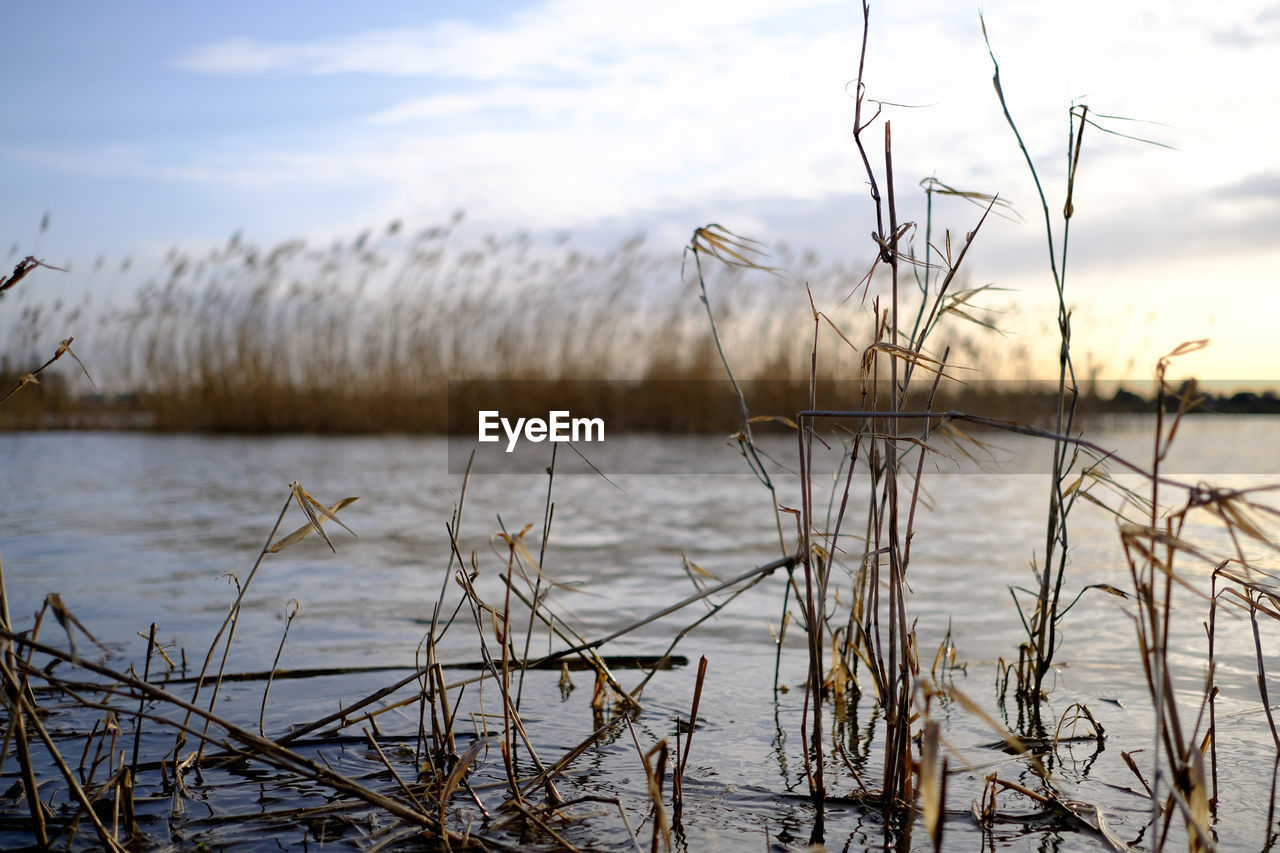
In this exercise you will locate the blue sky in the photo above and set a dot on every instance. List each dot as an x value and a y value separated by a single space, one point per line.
138 126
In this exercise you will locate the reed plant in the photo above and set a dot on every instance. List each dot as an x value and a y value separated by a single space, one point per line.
363 335
29 330
421 804
884 433
290 352
1043 614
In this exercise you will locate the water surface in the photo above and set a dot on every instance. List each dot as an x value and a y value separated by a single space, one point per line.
134 529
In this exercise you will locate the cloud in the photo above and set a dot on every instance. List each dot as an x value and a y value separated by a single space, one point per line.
1265 27
568 110
1263 186
560 37
566 113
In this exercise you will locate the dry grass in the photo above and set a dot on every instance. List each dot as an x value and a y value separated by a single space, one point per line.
342 340
378 335
365 336
435 794
876 630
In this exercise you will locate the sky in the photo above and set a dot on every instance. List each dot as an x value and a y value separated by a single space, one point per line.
140 126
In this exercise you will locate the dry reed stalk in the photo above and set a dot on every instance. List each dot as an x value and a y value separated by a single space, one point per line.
291 611
146 676
1212 732
897 743
741 252
813 624
64 348
314 512
1150 551
547 514
502 630
654 775
22 269
23 705
932 783
16 731
252 745
512 720
682 756
434 634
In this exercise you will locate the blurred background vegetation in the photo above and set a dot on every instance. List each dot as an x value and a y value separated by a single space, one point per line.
365 335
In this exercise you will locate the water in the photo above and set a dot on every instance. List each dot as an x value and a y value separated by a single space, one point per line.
134 529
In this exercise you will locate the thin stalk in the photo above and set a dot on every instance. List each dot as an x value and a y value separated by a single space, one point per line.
749 447
814 627
275 663
17 726
146 676
230 621
1045 617
434 633
894 771
682 760
547 513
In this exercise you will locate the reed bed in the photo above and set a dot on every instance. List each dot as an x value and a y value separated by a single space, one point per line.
363 336
205 352
128 791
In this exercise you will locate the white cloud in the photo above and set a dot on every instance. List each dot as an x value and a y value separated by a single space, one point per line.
563 36
568 111
574 113
571 113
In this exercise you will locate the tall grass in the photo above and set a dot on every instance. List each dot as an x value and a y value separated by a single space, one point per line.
344 339
883 445
364 335
29 336
1043 615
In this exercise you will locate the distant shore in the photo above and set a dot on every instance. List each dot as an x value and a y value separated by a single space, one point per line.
645 405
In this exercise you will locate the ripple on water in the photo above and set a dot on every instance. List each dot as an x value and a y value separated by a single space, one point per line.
134 529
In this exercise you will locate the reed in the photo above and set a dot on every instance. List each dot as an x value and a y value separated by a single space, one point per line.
1042 616
285 355
878 631
362 336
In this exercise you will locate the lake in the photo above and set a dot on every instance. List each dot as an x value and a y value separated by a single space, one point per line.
131 529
